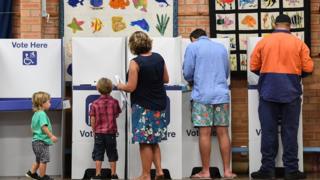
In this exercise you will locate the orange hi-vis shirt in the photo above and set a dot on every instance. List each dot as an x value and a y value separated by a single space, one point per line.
280 59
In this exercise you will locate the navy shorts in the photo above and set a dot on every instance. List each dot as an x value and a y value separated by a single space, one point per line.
105 143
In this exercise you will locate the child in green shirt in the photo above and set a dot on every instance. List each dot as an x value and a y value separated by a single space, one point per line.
42 135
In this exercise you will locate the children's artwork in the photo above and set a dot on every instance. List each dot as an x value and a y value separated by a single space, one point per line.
269 4
118 23
268 19
243 62
297 19
141 4
142 23
162 23
240 19
119 4
248 21
299 34
233 62
225 4
232 39
225 21
292 3
96 25
107 18
247 4
243 40
75 25
75 3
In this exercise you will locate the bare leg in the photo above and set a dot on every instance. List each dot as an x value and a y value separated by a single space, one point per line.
113 166
157 159
205 150
98 167
42 169
146 155
225 149
34 167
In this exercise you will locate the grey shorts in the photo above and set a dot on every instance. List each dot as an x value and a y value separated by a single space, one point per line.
41 150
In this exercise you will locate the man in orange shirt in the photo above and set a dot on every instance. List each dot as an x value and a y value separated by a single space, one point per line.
280 59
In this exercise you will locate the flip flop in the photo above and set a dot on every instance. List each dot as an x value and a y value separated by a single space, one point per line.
233 176
197 176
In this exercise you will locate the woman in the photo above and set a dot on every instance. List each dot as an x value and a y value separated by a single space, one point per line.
146 78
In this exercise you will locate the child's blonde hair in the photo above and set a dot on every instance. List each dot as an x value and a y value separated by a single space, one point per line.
38 99
104 86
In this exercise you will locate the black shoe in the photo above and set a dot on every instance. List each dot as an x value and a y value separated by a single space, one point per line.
263 175
295 175
45 177
97 177
114 176
32 176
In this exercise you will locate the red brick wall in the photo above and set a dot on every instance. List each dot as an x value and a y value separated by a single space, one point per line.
194 14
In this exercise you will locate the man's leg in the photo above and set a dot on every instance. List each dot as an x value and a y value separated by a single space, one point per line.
269 117
289 135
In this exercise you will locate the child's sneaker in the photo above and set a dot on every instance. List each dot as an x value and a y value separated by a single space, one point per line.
114 176
32 176
97 177
45 177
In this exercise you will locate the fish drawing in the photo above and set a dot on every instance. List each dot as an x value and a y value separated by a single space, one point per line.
119 4
224 21
142 23
163 2
118 24
74 3
140 3
75 25
96 25
249 21
269 3
251 3
296 20
96 4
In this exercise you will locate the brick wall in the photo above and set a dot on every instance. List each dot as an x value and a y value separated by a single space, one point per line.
194 14
28 23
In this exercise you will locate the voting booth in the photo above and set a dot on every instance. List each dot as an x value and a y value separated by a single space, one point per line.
254 123
180 152
28 66
94 58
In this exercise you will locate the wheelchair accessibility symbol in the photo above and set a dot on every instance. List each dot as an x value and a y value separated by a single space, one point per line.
29 57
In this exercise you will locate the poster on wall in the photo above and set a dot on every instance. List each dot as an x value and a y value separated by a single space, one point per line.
240 19
115 18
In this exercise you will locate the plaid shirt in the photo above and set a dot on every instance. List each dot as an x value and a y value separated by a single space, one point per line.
105 110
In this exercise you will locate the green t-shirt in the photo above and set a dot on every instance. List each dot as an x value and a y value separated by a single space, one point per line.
40 119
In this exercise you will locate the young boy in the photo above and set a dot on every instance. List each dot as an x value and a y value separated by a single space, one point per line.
42 135
103 114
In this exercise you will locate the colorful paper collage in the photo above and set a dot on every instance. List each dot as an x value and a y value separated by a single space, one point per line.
240 19
115 18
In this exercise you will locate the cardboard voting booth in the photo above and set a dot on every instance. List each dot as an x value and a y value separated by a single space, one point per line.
180 152
254 123
28 66
94 58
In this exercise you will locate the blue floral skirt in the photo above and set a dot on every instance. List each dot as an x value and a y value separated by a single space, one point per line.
148 126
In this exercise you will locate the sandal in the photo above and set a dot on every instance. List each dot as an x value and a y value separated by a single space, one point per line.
197 176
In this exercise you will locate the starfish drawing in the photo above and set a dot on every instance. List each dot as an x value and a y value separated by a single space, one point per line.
75 25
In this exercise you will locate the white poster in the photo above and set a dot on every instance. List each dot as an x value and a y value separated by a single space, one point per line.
30 65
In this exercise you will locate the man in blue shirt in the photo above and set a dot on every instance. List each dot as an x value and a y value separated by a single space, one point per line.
206 68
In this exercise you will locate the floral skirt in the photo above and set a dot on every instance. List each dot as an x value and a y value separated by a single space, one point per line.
148 126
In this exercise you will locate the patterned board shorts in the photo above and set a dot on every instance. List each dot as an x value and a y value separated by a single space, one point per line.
41 150
148 126
210 114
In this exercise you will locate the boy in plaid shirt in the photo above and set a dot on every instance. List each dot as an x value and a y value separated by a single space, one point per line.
103 114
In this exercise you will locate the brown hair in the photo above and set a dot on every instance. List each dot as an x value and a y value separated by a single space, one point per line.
38 99
104 86
140 42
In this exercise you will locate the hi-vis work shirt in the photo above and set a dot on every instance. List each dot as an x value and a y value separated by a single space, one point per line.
280 59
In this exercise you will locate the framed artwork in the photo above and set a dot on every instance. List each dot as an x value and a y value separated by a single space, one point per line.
240 19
